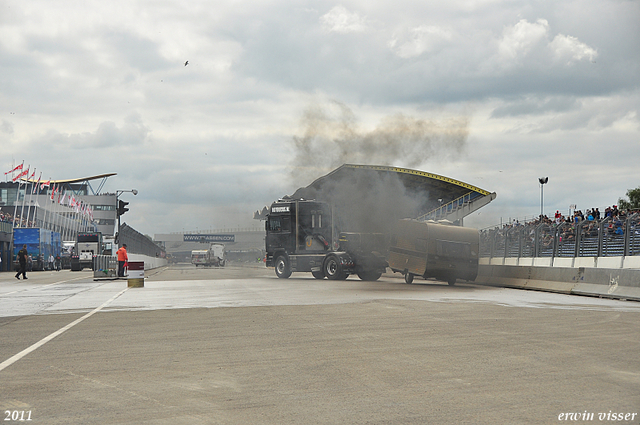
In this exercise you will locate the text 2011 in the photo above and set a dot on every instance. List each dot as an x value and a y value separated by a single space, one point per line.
17 415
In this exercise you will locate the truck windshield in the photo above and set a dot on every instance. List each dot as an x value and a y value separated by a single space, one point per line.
279 224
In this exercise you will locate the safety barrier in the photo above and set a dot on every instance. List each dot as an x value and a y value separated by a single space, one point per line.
603 277
105 267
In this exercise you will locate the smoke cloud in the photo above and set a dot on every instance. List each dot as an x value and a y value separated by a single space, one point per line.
366 200
331 137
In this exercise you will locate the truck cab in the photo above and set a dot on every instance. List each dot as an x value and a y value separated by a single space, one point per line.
299 232
301 236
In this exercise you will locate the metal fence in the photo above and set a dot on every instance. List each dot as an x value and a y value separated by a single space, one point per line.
137 243
610 237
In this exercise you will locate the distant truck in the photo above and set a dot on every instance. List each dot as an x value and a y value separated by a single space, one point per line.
41 244
88 245
430 249
68 248
301 237
214 256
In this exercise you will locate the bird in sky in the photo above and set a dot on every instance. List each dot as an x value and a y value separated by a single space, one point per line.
186 63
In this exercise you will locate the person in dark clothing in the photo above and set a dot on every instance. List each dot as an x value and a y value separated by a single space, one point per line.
22 259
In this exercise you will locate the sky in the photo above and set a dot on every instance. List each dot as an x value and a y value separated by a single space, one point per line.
495 93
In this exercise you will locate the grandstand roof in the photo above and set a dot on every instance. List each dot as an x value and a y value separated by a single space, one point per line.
80 179
431 186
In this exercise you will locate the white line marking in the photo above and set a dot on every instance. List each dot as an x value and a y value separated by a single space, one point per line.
46 339
43 286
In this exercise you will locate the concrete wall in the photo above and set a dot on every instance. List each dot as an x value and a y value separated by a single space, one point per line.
149 262
614 277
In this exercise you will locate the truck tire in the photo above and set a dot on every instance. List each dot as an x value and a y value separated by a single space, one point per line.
318 274
451 279
283 271
408 278
332 268
369 275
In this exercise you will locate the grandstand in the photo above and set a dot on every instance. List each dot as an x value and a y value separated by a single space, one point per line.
612 236
439 197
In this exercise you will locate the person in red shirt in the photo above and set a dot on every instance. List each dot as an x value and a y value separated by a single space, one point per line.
122 259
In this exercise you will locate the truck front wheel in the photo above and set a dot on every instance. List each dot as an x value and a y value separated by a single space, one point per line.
283 270
333 268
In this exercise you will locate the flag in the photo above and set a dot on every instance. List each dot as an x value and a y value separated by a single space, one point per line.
45 184
19 167
32 174
53 191
22 174
35 188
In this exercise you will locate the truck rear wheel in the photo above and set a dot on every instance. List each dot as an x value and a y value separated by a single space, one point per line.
451 280
333 268
283 270
408 278
369 275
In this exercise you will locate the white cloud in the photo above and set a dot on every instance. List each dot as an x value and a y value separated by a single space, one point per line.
570 49
518 40
340 20
419 40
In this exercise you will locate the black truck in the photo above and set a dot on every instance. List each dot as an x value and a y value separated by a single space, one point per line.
301 236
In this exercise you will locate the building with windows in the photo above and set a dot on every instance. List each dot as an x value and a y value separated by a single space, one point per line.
65 206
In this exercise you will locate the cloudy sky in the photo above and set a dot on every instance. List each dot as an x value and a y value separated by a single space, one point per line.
495 93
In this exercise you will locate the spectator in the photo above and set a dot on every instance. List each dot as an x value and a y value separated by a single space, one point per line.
122 259
22 259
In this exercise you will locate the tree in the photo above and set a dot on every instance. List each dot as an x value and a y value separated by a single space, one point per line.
633 203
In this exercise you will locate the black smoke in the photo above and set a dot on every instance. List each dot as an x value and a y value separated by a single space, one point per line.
367 200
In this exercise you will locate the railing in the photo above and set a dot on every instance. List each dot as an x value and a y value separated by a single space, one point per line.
5 227
606 238
449 207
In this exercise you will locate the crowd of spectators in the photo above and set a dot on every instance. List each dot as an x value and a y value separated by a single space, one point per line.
7 217
588 222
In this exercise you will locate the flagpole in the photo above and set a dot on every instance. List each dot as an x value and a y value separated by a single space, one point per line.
65 218
24 199
35 208
55 211
46 204
15 204
30 199
76 220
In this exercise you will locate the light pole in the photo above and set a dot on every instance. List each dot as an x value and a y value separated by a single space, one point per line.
543 181
120 209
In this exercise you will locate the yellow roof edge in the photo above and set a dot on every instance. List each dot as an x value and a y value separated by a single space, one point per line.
78 180
422 174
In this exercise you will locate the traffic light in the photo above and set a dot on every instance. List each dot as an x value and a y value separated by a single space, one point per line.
121 207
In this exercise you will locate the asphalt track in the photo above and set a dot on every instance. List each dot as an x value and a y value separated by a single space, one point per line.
239 346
